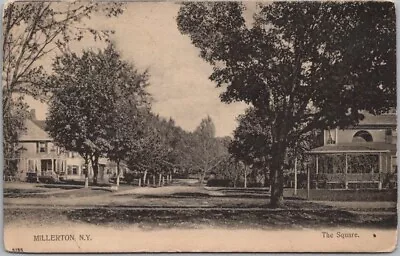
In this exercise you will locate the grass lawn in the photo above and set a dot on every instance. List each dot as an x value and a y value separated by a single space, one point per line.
38 193
40 190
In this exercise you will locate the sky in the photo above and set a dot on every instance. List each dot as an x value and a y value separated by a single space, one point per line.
147 36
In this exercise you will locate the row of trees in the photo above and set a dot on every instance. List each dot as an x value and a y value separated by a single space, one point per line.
198 152
32 31
100 108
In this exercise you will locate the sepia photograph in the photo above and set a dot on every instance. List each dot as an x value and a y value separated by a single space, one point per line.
162 126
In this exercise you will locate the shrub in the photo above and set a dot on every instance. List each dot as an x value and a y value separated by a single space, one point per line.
219 183
129 177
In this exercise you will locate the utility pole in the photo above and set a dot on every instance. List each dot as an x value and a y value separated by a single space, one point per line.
295 177
308 183
245 176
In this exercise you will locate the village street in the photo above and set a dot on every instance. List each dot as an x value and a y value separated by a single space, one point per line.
183 206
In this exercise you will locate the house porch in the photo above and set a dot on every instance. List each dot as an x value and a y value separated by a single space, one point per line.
353 168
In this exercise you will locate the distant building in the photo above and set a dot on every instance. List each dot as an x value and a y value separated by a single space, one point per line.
40 155
361 156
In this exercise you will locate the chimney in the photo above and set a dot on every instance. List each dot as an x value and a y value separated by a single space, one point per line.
32 114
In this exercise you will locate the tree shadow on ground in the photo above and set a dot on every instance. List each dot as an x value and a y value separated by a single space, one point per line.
231 218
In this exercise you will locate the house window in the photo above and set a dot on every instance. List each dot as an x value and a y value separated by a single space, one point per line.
72 154
47 165
75 170
329 139
31 165
362 136
69 170
72 169
84 171
41 147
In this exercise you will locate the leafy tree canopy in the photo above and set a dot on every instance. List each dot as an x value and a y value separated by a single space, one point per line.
302 66
31 32
96 103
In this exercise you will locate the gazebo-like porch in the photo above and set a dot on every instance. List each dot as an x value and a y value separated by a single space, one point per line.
369 165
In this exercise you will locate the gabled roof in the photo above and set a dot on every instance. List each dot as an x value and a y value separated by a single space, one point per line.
379 120
40 123
34 132
363 147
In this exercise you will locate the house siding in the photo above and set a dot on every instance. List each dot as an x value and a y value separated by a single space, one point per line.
340 143
346 135
31 158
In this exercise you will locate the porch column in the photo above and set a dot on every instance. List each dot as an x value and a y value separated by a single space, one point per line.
380 172
387 156
36 169
56 168
391 163
336 136
346 183
316 167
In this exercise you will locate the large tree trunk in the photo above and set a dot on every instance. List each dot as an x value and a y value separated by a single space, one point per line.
245 177
95 165
86 172
144 178
276 180
95 173
266 182
118 174
203 175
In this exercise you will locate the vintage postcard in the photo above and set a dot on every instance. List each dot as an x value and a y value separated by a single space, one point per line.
163 126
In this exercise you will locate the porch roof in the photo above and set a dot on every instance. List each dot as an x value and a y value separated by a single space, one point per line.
362 147
389 119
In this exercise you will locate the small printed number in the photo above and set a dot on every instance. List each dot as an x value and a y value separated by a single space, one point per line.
17 250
